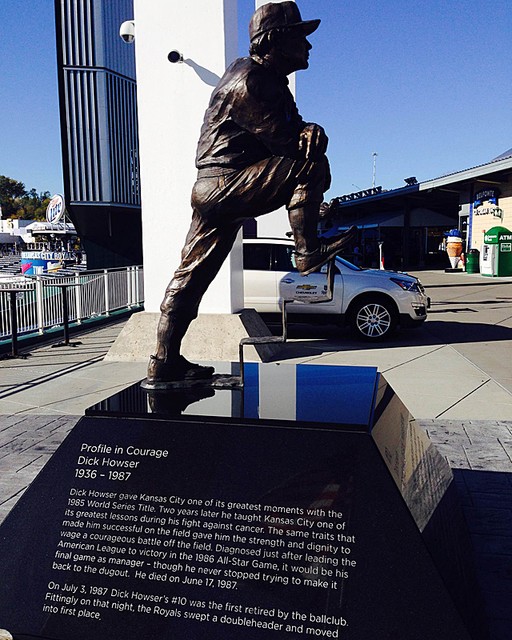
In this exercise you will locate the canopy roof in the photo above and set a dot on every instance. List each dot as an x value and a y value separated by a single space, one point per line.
47 227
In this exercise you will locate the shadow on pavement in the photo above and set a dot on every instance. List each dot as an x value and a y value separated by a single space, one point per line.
332 338
486 497
499 302
467 284
460 333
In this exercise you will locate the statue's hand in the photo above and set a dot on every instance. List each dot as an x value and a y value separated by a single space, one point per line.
313 141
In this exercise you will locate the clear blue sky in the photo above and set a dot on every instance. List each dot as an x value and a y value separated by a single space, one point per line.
425 84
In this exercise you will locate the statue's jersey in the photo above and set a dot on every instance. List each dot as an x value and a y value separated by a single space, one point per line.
252 115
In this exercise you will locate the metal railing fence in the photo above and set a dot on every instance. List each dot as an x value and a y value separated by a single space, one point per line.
39 302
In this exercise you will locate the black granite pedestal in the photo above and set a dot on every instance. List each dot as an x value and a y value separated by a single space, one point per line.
306 504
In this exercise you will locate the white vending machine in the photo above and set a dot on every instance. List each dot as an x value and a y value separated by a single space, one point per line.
489 260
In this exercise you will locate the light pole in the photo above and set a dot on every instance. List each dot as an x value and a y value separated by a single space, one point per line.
374 154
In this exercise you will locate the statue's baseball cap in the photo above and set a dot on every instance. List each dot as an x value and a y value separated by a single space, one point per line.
279 15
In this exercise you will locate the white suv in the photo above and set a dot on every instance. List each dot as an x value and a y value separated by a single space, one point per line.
371 301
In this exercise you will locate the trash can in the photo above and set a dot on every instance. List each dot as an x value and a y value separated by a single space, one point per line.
473 261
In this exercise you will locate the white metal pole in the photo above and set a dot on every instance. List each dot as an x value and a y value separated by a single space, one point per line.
39 304
78 299
105 279
381 256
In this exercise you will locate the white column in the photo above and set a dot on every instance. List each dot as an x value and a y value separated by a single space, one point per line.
172 99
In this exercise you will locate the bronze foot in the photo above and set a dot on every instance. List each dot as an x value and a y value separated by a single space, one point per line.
312 262
175 370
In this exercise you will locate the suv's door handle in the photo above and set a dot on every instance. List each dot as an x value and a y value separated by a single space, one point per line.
288 280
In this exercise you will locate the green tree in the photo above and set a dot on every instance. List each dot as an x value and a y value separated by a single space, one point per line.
10 193
33 205
17 202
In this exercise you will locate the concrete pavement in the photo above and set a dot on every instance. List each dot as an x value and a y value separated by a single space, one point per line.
457 366
454 375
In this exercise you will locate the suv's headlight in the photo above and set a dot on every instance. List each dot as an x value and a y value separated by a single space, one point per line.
406 285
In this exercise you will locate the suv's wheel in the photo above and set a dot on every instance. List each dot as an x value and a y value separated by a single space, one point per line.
373 319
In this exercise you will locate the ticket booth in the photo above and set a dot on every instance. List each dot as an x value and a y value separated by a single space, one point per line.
496 254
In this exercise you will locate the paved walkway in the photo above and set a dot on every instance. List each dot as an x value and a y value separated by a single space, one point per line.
454 374
457 366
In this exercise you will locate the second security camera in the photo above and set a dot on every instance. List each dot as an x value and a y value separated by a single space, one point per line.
175 56
127 31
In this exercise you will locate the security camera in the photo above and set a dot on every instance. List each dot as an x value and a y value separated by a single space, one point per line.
127 31
175 56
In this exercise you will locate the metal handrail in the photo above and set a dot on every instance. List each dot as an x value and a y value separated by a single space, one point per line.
91 294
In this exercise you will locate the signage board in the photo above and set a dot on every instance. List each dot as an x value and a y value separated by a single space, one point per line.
55 209
34 262
185 526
